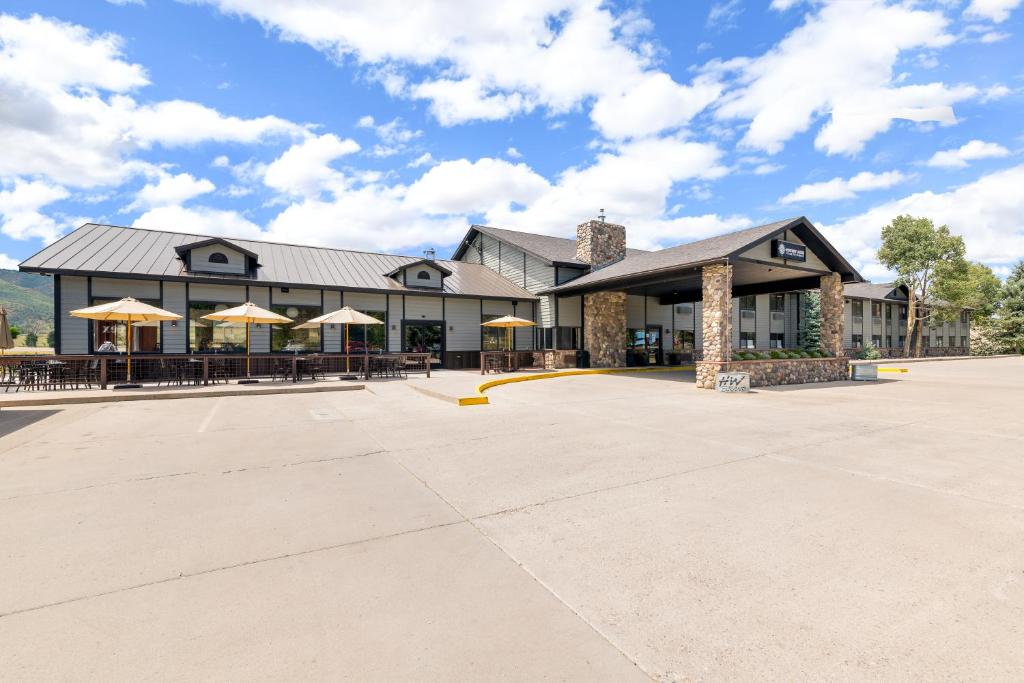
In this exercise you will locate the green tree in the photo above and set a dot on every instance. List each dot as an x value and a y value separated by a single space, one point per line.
31 339
922 255
810 321
51 338
967 285
1011 312
15 332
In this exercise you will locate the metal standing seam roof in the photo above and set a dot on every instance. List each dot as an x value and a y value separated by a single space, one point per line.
707 250
545 247
99 250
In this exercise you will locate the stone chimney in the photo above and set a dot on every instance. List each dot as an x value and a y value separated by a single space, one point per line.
599 243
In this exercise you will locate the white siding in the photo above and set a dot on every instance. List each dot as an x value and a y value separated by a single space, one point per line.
660 315
117 288
333 334
847 325
763 252
301 297
683 317
546 311
490 252
423 308
74 332
433 279
201 260
463 319
762 325
173 338
538 275
792 321
524 336
259 335
472 254
569 311
394 333
512 266
492 307
634 312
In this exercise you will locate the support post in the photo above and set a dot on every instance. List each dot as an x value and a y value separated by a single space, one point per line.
716 323
103 373
832 315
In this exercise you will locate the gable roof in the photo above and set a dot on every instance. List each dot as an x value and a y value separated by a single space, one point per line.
718 248
551 250
421 262
110 250
873 290
182 249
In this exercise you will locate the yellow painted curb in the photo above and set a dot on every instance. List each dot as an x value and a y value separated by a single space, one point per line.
893 370
480 399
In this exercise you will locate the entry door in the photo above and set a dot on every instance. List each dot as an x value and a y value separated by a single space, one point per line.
653 344
424 336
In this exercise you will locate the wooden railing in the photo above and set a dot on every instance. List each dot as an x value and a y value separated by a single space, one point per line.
509 361
101 370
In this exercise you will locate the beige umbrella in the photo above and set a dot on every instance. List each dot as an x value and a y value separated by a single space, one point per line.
247 313
343 316
508 322
6 340
129 310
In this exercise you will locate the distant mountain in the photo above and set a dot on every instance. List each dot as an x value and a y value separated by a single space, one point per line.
29 301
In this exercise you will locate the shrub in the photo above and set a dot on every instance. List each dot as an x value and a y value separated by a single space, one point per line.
804 354
792 354
869 352
777 354
32 339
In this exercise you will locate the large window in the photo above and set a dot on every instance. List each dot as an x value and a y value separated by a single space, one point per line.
939 340
372 339
683 340
777 303
285 338
558 337
963 341
876 340
747 340
494 338
857 340
776 340
112 335
636 338
876 311
207 336
857 310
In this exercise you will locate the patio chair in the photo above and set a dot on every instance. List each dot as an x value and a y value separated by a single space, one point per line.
218 369
316 368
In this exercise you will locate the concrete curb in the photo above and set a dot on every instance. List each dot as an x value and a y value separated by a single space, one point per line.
128 395
887 361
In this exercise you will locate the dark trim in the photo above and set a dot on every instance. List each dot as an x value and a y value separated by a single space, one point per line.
651 277
404 268
813 240
322 335
89 341
188 320
583 339
188 247
444 334
787 266
162 322
524 270
433 291
480 324
58 315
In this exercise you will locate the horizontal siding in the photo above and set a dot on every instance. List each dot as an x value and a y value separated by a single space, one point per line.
229 294
362 301
463 319
569 311
634 311
539 276
333 334
394 332
524 336
259 335
423 308
200 258
299 297
546 311
74 332
173 338
492 307
658 314
103 287
512 265
490 253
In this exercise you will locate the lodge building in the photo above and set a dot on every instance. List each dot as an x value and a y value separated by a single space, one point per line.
621 306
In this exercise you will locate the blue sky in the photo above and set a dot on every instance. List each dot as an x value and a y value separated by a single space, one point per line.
392 126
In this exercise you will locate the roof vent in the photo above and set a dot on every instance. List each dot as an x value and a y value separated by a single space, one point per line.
429 254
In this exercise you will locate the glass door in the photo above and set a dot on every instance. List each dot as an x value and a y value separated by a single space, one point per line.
653 341
424 336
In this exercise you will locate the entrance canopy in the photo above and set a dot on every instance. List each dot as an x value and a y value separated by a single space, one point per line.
783 256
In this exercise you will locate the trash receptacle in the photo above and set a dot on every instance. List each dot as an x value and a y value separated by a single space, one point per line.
582 359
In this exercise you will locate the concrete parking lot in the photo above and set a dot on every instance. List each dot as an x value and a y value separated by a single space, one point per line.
591 528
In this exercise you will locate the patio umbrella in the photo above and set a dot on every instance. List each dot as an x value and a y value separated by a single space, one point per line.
343 316
247 313
6 340
128 310
508 322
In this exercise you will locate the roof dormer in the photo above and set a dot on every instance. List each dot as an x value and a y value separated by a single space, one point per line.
425 274
218 256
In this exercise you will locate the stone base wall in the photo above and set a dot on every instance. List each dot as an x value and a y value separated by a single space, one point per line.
767 373
926 352
604 328
559 360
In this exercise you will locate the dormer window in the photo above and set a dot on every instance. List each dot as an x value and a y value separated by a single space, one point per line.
218 257
423 275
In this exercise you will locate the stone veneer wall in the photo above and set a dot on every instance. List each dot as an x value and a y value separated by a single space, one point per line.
604 328
832 314
599 243
927 352
766 373
716 322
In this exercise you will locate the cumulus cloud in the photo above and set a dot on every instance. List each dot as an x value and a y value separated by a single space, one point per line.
170 190
838 67
202 220
996 11
305 168
972 151
8 263
843 188
464 187
988 212
20 205
492 65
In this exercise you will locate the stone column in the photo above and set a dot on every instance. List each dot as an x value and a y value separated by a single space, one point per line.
716 323
832 315
604 328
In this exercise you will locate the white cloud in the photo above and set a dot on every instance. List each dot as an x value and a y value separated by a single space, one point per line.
839 64
996 92
724 14
767 168
988 212
8 263
842 188
654 104
305 170
20 216
996 11
490 65
513 153
783 5
176 122
201 220
990 37
972 151
169 190
464 187
425 159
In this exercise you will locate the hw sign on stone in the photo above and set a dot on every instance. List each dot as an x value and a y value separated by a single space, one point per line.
733 382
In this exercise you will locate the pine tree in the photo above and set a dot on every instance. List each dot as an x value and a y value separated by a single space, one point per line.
1011 314
810 321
